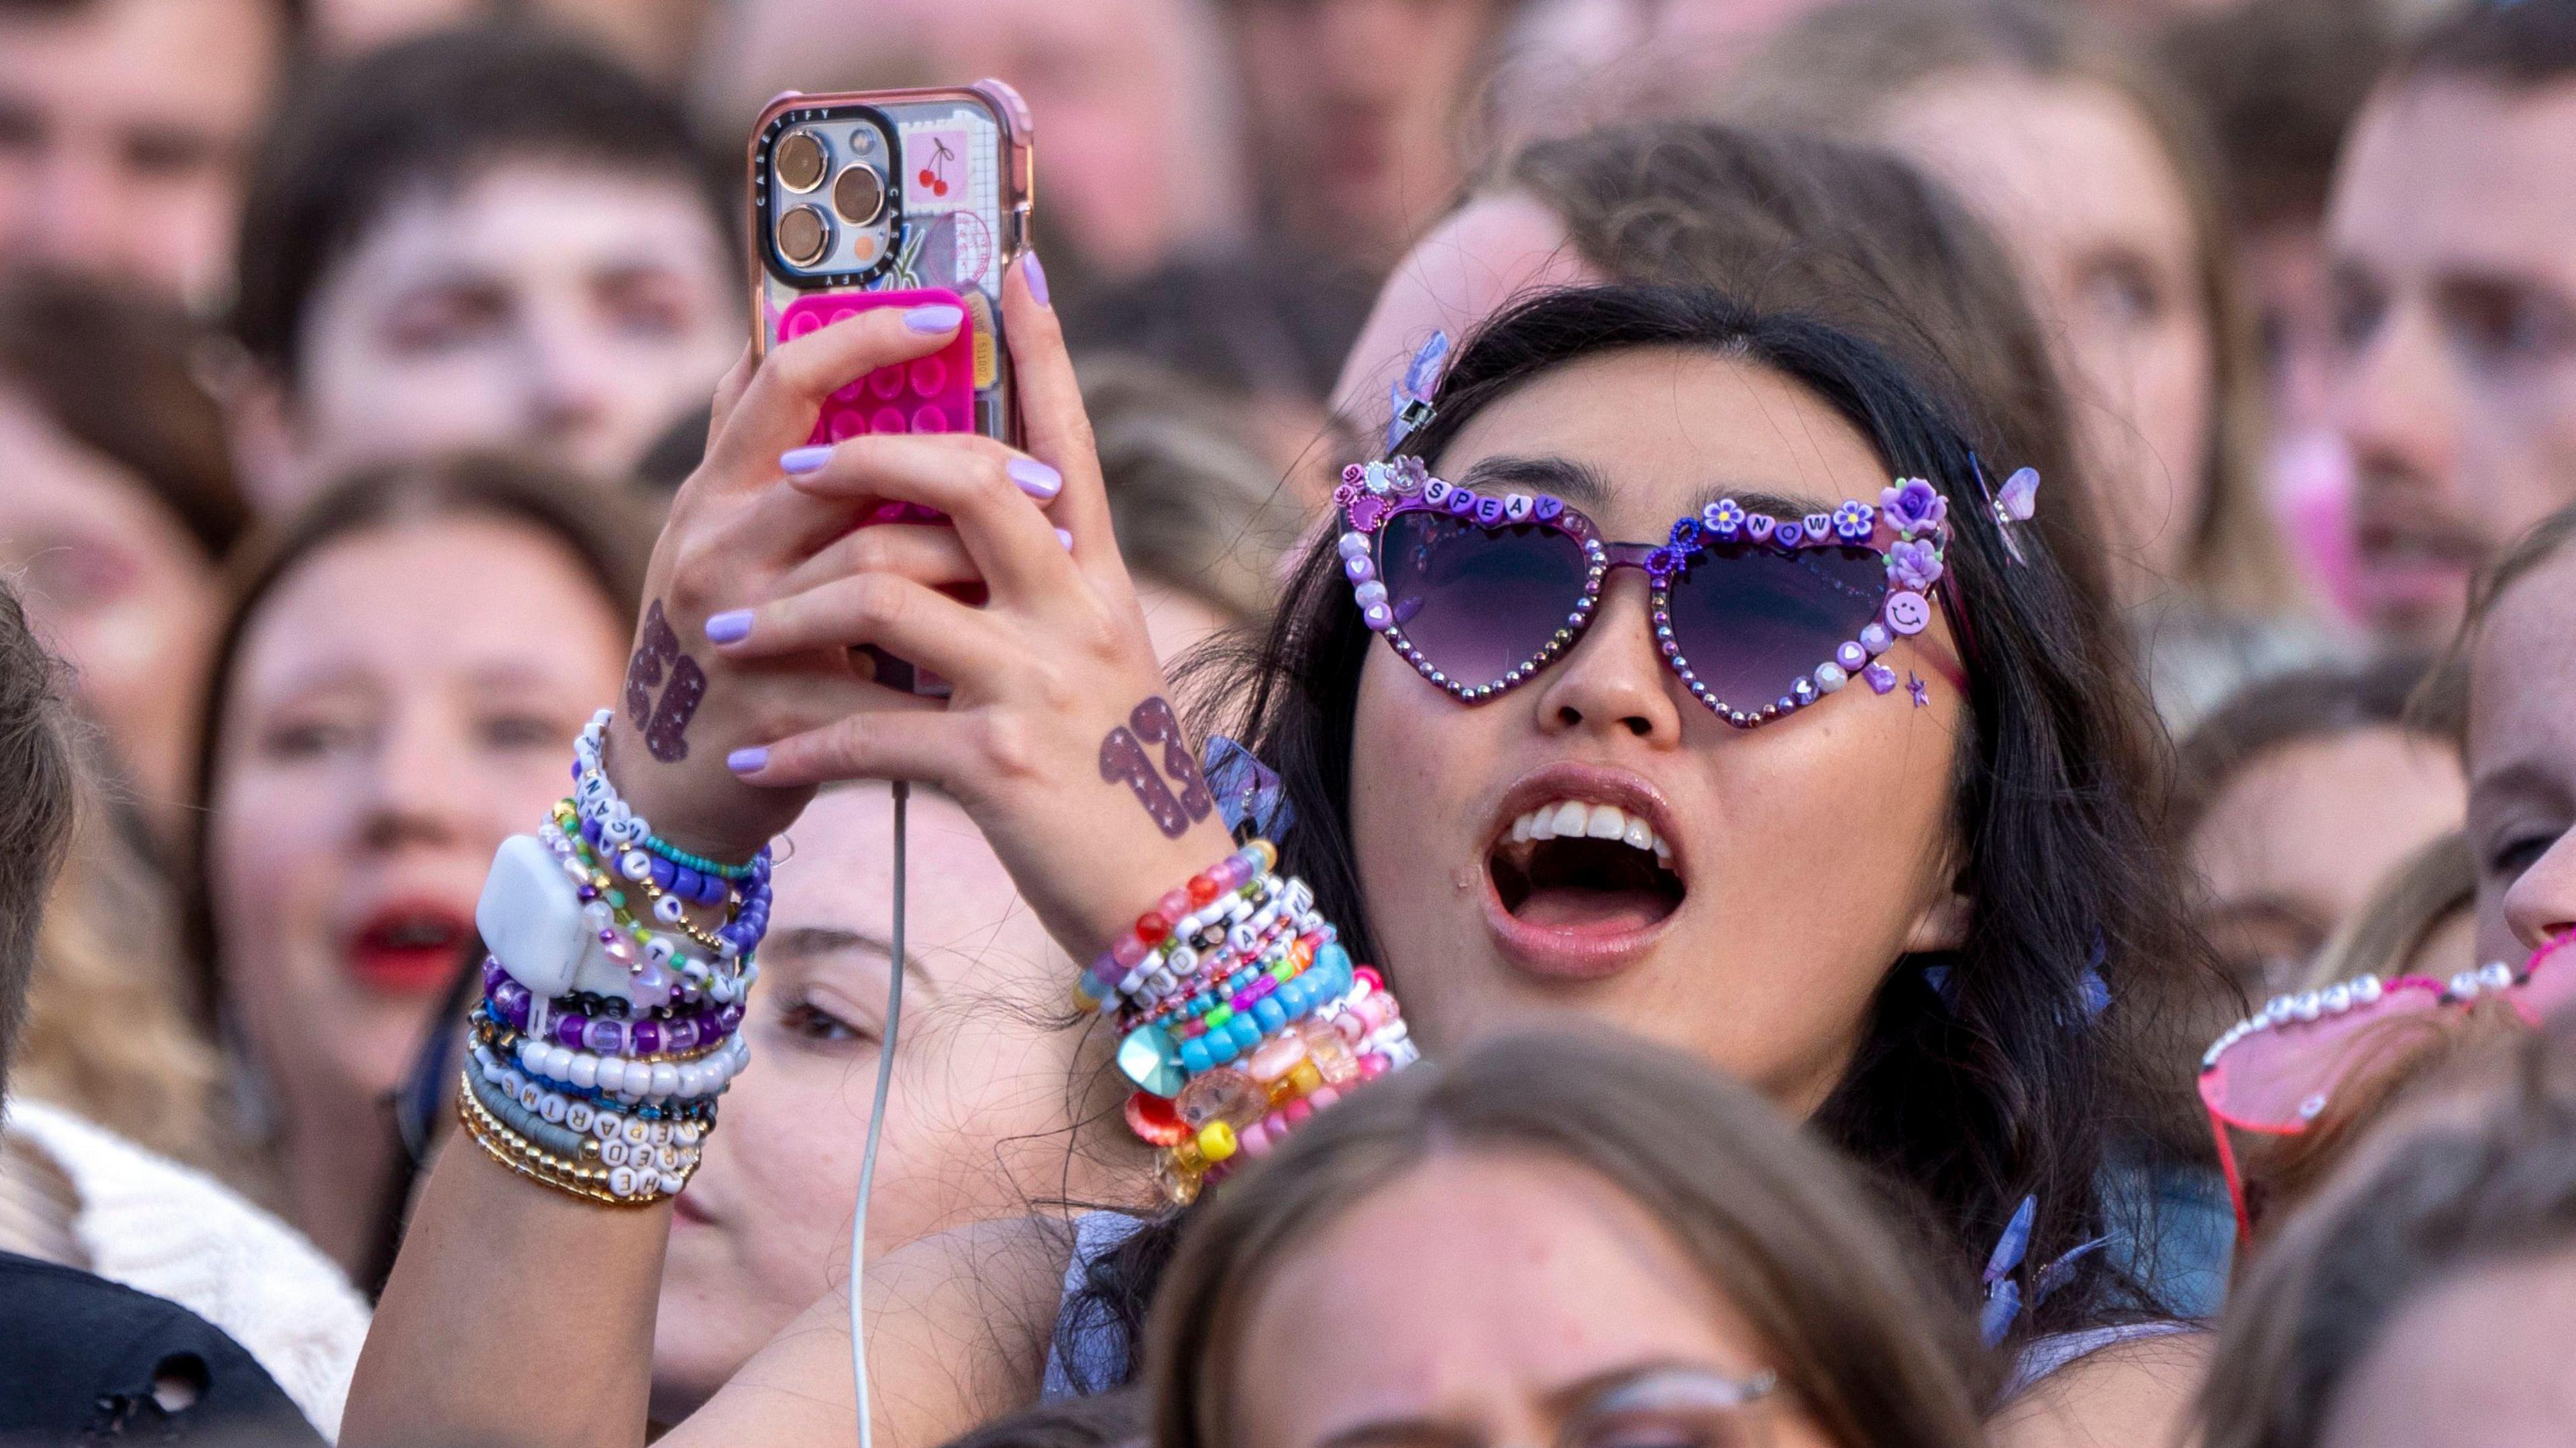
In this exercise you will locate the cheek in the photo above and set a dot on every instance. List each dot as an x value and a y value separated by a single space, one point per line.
276 845
1413 771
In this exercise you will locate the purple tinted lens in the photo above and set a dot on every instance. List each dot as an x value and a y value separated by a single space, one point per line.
1478 601
1752 621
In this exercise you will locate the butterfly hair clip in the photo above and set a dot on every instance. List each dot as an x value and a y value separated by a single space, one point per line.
2013 506
1408 398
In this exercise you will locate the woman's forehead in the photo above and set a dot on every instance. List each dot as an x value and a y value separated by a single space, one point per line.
1663 429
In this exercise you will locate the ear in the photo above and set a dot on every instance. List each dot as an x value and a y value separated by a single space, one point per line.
1942 924
267 448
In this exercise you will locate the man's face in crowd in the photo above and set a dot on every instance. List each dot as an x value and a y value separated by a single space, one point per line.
1353 108
2453 243
124 130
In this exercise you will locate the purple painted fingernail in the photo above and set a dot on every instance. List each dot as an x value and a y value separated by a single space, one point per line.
747 761
1035 478
1035 275
938 317
731 627
1065 537
805 459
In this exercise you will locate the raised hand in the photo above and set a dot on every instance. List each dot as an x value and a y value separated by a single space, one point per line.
1057 737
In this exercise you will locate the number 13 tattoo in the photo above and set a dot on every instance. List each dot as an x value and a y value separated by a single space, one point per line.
1123 759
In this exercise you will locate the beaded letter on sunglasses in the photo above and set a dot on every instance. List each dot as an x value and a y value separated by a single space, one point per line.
1757 616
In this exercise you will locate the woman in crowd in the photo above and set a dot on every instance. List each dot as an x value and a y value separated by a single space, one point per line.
119 504
2427 1297
996 1105
403 667
1566 1240
1934 1011
2095 175
2294 799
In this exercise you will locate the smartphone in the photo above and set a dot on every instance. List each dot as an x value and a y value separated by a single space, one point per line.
895 198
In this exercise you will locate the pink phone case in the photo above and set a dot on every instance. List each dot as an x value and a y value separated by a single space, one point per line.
951 214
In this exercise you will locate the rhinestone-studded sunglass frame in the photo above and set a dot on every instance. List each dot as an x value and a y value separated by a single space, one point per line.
1907 532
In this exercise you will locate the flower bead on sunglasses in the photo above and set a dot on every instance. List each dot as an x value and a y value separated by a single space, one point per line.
1757 616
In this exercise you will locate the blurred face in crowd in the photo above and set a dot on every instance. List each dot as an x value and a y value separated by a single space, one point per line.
558 308
2522 763
115 582
1481 256
1138 154
403 700
2071 177
2477 1362
656 36
1481 932
1511 1298
1354 107
2293 845
985 1090
124 127
2456 307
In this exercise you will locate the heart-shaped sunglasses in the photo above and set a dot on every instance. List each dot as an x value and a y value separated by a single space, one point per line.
1757 616
2275 1074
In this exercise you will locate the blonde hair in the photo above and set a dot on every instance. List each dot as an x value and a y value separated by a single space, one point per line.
1834 71
111 1029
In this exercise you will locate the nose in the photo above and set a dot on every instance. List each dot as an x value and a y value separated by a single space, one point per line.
2542 904
1613 682
2396 401
571 372
413 791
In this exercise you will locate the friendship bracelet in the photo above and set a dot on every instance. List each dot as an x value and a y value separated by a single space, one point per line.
1242 1016
610 1018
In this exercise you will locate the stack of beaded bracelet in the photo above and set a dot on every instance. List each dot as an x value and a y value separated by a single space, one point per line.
1242 1015
607 1091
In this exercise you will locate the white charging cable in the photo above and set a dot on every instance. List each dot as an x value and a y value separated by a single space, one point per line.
876 1127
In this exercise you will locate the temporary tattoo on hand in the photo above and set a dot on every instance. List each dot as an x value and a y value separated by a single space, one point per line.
1123 759
664 723
1154 723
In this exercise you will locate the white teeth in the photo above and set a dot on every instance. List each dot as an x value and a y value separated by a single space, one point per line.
1575 819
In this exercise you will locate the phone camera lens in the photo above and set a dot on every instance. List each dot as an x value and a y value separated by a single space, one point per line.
859 195
803 236
800 161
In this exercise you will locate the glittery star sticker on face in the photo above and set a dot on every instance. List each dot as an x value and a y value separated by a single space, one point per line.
1914 686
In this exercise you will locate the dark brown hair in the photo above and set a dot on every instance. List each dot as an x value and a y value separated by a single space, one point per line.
1848 235
1871 1352
2518 44
36 803
2482 1182
118 374
1835 72
607 533
2279 83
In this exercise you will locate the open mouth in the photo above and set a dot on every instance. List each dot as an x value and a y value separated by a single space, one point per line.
1585 867
410 947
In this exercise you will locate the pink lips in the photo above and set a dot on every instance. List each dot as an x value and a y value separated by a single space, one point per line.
1586 935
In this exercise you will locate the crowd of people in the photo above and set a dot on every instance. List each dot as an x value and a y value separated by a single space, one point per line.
1395 952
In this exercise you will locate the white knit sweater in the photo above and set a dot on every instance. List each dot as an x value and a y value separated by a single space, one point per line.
176 1233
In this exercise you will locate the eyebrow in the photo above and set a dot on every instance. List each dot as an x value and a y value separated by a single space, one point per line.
1584 486
806 942
2522 777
